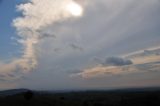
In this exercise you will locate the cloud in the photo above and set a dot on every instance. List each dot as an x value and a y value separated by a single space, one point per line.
106 28
31 28
111 66
75 47
146 52
114 66
14 70
117 61
107 71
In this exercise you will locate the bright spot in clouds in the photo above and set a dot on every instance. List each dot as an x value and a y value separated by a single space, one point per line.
75 9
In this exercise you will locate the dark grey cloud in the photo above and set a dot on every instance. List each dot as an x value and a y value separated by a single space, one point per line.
57 49
117 61
76 47
41 34
46 34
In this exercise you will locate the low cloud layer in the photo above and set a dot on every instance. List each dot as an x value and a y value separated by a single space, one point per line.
111 66
114 66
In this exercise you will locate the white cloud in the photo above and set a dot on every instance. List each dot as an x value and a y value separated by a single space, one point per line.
36 15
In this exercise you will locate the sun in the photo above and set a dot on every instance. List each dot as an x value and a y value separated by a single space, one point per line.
75 9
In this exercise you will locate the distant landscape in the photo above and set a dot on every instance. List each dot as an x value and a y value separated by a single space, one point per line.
121 97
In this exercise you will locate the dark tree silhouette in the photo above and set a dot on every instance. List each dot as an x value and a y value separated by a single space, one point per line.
62 98
28 95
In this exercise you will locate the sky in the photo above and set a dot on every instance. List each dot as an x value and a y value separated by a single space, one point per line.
79 44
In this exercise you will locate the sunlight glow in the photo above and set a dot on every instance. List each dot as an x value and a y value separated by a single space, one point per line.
75 9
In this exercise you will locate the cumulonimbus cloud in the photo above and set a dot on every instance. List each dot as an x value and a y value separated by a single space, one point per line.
36 15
